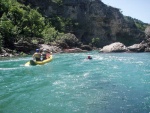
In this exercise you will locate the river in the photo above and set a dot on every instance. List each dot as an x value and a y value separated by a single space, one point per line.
70 83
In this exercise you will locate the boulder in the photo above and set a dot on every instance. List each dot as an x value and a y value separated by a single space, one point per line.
114 47
25 46
68 41
53 49
137 47
86 47
147 49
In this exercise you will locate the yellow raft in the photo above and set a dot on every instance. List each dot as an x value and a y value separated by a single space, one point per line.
31 62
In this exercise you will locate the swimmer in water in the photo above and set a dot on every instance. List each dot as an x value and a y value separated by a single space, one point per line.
89 57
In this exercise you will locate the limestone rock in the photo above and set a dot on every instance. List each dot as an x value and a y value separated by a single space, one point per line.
53 49
137 48
147 32
69 40
86 47
114 47
93 19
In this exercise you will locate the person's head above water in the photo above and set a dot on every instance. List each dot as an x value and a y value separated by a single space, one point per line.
89 57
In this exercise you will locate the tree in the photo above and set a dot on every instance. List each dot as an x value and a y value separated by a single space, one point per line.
33 23
6 30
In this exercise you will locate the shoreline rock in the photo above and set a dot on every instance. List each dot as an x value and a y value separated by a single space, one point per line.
54 49
144 46
114 47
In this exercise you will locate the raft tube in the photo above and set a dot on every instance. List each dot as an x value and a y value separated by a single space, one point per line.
32 62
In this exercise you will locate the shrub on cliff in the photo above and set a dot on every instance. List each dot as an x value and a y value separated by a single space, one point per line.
19 21
50 34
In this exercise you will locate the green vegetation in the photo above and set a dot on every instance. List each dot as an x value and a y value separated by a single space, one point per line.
50 34
96 41
20 22
139 24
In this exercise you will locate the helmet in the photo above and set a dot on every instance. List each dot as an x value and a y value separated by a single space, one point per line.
37 50
44 50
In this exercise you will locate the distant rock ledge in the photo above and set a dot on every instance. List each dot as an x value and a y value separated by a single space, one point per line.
144 46
114 47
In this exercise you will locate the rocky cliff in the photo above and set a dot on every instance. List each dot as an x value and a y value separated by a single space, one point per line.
97 22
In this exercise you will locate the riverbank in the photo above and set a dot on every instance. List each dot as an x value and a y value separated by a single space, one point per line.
144 46
54 49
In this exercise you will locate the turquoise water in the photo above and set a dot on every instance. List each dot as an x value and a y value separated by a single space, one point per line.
109 83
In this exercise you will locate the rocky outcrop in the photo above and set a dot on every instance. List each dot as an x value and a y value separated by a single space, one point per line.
94 20
68 41
86 47
5 52
147 32
137 48
53 49
144 46
114 47
25 46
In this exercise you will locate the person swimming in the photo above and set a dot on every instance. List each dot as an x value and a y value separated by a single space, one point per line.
89 57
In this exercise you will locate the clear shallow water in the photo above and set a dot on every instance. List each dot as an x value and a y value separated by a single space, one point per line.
109 83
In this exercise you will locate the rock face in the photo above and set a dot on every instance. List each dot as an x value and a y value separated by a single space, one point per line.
144 46
114 47
147 32
95 20
68 41
137 48
53 49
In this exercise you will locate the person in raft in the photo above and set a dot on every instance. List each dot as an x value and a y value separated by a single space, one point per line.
48 54
37 55
44 52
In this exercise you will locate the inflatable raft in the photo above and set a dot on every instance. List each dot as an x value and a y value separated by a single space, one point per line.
32 62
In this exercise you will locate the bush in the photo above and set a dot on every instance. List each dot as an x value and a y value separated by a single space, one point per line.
96 42
18 22
50 34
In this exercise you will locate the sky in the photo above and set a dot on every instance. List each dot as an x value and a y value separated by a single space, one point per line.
138 9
